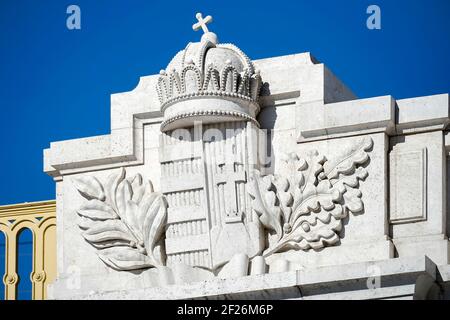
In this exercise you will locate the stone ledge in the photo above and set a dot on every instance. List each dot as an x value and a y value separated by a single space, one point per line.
416 114
397 278
123 147
379 114
331 120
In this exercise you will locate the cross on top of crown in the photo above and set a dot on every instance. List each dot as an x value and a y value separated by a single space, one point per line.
202 23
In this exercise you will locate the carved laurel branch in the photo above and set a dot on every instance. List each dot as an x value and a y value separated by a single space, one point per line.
304 206
124 219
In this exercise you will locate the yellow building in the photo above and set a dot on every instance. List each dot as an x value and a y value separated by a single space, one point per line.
28 248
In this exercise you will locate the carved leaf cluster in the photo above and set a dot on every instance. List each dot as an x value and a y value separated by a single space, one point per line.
124 219
303 207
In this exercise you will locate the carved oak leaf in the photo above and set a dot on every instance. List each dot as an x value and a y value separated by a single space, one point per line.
314 222
311 232
284 192
308 177
314 198
127 225
264 202
314 195
353 201
348 186
310 171
289 184
346 171
347 163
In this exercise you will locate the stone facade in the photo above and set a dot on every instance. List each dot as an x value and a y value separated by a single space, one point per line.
225 177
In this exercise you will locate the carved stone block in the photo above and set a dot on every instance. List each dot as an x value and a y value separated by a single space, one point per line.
408 186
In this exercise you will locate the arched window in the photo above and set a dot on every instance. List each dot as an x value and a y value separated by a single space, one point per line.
2 264
24 264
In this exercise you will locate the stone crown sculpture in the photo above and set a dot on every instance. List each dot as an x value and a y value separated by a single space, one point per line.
207 74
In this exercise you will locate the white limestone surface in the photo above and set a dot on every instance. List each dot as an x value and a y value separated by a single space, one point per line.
279 183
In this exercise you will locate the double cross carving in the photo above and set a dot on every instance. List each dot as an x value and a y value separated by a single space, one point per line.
230 176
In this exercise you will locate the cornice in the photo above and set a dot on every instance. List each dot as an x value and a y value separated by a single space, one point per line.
26 208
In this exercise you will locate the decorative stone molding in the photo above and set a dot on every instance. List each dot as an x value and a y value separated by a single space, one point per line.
217 93
124 219
208 113
173 87
301 208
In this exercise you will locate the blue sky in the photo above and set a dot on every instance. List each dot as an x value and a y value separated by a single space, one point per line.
55 84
